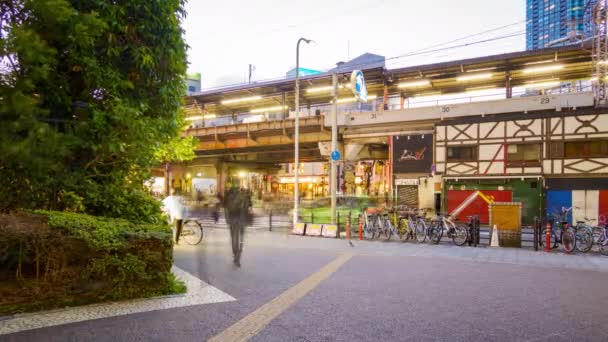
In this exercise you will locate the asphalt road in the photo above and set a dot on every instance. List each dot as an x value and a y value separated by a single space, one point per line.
385 292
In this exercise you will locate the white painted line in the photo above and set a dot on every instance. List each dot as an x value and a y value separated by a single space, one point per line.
198 293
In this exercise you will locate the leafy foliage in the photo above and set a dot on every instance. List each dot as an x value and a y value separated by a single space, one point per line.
179 149
90 91
52 259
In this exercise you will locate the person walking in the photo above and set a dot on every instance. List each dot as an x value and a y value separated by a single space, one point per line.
175 207
236 208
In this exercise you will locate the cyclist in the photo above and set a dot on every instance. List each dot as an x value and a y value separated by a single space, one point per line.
174 206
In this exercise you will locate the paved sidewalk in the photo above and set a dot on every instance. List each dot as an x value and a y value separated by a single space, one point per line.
517 256
294 288
198 293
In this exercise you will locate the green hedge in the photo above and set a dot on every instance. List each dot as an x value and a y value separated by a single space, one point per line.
53 259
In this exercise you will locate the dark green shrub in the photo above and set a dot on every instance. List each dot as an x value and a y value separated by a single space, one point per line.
50 259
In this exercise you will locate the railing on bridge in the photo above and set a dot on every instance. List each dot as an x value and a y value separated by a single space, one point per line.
285 126
247 122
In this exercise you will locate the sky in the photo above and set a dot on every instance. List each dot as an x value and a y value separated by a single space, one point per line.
224 37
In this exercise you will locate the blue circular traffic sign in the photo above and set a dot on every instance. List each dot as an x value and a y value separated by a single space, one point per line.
335 155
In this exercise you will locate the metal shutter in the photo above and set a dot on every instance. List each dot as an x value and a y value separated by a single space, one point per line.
407 195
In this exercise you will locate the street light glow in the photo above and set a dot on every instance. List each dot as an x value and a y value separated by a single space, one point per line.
318 89
325 88
541 69
413 84
200 117
474 77
480 89
545 84
268 109
242 99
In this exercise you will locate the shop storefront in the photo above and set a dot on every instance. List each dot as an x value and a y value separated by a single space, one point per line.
412 158
310 187
529 192
365 178
588 198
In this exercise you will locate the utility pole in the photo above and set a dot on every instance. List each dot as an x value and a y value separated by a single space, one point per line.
334 147
251 68
296 181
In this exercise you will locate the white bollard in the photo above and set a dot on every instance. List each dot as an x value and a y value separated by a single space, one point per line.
494 241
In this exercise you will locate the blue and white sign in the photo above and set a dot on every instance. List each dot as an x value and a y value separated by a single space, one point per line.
335 155
357 82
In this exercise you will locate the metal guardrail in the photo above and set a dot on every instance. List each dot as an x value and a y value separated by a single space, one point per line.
341 220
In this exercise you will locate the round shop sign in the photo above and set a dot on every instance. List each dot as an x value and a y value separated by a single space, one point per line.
358 87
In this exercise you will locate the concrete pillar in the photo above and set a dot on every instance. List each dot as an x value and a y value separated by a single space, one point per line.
508 87
286 110
385 98
222 175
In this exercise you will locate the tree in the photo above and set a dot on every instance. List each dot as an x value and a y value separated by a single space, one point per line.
90 90
176 150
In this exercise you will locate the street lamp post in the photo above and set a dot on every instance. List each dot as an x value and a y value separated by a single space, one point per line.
296 184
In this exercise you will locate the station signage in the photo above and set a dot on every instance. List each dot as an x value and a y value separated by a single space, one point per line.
357 84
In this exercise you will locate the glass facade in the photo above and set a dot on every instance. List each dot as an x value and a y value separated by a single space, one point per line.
549 20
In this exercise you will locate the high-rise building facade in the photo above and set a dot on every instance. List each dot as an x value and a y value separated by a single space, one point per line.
555 22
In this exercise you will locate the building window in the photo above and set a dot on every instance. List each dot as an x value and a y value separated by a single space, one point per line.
191 89
580 149
462 153
523 154
586 149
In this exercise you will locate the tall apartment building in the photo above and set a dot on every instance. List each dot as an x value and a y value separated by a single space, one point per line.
555 22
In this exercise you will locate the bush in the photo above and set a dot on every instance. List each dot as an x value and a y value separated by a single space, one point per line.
53 259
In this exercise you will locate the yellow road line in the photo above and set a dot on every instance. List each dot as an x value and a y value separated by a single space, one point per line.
253 323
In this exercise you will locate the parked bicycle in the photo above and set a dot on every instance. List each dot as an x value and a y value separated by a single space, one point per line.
412 224
584 235
371 223
388 228
443 222
407 221
561 232
601 238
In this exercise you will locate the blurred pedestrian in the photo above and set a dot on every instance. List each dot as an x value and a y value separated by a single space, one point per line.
236 209
217 207
175 207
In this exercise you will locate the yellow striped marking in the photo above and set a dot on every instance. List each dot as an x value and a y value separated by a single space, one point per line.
253 323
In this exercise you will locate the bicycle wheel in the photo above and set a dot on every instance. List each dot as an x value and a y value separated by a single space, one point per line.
435 233
386 228
542 238
569 239
603 243
421 230
404 231
367 232
460 235
584 239
192 232
375 231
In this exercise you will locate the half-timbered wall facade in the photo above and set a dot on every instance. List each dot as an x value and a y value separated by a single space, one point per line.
560 156
568 145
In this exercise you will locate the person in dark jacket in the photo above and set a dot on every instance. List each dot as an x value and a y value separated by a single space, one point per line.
236 208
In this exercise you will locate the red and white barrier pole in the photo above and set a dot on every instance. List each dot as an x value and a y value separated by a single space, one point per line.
348 228
360 228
